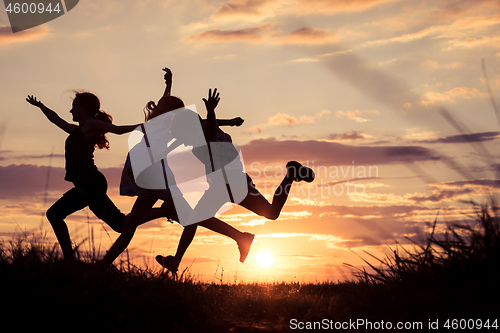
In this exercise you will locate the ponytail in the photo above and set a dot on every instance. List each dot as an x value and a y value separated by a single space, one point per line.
148 109
102 141
165 104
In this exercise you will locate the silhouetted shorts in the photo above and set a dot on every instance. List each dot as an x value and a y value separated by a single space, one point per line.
254 201
90 190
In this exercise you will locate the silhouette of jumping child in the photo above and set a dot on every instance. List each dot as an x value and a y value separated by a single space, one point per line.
225 174
142 210
90 185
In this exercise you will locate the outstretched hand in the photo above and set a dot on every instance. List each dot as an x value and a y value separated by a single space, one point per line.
213 100
33 101
238 121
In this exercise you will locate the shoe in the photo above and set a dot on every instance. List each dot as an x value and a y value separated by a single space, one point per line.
299 172
168 262
244 245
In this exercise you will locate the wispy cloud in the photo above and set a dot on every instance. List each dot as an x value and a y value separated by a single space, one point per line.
255 129
29 180
327 7
268 33
250 8
441 192
484 183
29 157
435 64
459 32
472 42
462 7
253 34
452 95
355 115
464 138
283 119
308 35
260 9
333 153
349 136
7 37
438 196
283 215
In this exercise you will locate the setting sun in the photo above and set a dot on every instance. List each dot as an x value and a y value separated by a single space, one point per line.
264 258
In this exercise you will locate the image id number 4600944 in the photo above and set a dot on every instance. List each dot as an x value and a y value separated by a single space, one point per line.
33 8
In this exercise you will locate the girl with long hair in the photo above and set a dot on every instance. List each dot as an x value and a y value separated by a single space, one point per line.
90 185
143 211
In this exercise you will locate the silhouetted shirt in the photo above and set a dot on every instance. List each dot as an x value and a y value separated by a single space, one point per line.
215 156
79 155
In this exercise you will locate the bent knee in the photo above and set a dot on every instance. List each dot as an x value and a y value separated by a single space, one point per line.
272 215
54 216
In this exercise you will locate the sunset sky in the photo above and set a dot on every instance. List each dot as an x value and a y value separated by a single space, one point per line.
385 99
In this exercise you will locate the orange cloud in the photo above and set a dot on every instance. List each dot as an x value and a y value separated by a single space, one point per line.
252 34
7 36
435 64
245 8
29 180
472 42
461 138
448 191
348 136
251 9
355 115
256 129
269 151
451 95
463 30
331 7
266 33
458 8
283 119
309 35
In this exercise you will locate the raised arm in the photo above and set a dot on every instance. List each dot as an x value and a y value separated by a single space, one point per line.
211 104
51 115
168 81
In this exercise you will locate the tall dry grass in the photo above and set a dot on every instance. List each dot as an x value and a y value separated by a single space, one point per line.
451 275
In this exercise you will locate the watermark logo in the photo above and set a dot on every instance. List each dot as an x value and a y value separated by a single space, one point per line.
170 153
29 14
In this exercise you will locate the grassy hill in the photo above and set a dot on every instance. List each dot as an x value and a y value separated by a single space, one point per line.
454 277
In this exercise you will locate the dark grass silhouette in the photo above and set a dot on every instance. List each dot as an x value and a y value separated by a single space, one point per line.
452 276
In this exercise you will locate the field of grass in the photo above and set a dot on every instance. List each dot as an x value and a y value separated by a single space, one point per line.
451 277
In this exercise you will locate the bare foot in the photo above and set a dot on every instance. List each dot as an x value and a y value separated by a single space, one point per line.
244 245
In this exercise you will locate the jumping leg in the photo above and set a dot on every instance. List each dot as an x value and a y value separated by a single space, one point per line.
70 202
140 209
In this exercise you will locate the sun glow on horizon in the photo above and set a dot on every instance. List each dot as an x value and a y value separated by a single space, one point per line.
264 258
